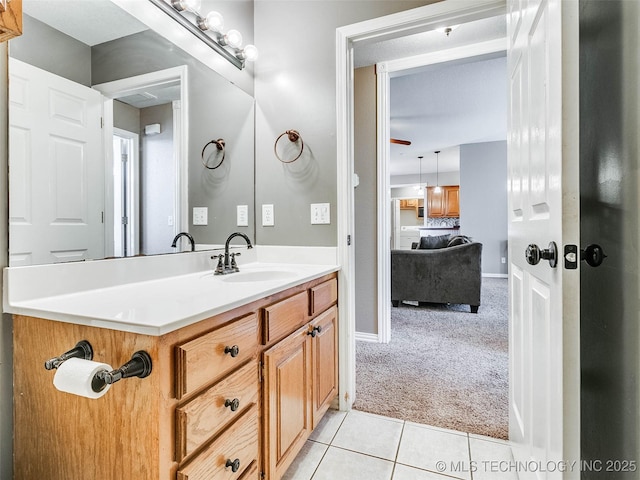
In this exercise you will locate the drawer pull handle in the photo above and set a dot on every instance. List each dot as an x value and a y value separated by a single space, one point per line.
233 351
232 404
234 464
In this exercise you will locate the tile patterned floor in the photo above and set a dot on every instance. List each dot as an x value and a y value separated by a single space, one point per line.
362 446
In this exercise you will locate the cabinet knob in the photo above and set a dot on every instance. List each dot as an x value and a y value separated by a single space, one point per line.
234 464
314 331
233 351
232 404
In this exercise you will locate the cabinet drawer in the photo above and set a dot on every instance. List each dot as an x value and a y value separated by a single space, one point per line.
238 443
204 417
203 360
322 296
284 317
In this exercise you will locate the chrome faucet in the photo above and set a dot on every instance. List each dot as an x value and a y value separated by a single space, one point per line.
184 234
227 263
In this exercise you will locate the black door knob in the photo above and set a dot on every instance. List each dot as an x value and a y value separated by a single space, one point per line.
314 331
534 254
593 255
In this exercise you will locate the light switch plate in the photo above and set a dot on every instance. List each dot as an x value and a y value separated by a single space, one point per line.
320 213
200 215
267 215
243 215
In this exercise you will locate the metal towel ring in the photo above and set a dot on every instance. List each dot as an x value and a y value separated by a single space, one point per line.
293 136
219 143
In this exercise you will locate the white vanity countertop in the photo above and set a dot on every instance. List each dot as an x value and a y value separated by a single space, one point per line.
156 306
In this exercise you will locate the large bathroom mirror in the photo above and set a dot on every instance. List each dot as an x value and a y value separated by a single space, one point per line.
108 126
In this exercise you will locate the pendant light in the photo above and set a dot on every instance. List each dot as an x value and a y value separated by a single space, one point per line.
418 187
437 189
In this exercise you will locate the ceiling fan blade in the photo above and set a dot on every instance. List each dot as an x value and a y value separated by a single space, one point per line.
400 142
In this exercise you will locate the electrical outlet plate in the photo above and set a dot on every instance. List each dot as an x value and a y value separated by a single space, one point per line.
320 213
267 215
200 215
242 215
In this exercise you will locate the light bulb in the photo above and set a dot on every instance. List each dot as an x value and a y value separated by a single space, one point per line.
214 21
233 38
250 53
192 5
437 190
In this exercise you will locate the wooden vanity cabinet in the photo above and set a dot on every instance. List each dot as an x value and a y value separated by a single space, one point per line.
300 379
210 404
10 19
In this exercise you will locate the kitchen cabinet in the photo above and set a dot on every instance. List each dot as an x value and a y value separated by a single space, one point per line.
443 203
206 411
10 19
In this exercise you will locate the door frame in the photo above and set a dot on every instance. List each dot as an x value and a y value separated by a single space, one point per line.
386 71
378 29
129 86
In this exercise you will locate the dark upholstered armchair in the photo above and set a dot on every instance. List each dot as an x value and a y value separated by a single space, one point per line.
441 275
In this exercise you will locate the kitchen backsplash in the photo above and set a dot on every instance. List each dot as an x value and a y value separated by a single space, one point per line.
443 222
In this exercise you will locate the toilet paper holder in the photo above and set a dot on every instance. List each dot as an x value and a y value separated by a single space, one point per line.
139 366
82 350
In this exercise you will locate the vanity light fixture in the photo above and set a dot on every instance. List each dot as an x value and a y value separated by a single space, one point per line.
437 189
209 29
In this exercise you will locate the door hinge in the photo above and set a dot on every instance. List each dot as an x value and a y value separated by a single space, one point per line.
260 371
101 122
348 240
102 216
125 157
125 220
262 474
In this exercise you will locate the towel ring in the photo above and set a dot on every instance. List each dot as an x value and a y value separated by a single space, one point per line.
293 136
219 143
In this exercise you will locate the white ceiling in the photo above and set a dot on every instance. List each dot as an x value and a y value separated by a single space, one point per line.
443 106
90 21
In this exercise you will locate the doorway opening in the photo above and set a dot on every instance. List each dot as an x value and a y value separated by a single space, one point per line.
126 197
381 247
146 203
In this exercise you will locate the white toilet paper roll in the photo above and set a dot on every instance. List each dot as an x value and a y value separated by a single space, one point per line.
76 376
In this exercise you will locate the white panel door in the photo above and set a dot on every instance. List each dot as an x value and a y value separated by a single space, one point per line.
56 168
544 309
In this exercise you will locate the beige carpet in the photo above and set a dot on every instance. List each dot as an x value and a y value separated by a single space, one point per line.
444 366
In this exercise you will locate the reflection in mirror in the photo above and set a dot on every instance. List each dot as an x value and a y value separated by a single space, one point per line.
71 195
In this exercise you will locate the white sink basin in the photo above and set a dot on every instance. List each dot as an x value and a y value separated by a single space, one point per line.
257 276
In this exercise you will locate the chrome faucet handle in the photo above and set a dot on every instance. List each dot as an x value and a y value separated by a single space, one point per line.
234 265
220 266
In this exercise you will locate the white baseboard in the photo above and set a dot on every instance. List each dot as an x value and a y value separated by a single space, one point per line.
495 275
367 337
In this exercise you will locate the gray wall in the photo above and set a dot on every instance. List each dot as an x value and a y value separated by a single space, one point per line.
157 185
296 89
366 266
483 201
6 348
63 55
126 117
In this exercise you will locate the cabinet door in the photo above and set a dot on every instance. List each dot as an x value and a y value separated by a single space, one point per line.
452 202
435 204
324 354
287 402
